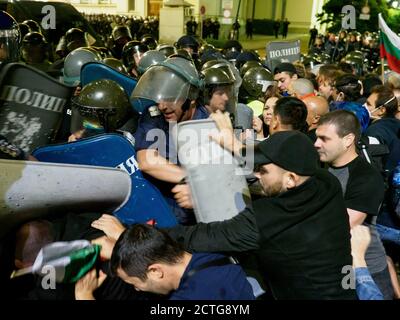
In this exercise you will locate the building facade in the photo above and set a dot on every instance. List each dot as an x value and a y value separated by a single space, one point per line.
301 14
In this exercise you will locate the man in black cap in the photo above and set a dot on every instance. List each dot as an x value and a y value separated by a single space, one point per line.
299 231
285 73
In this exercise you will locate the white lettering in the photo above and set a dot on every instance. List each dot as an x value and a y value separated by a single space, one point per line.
49 280
22 96
348 281
349 17
8 93
49 21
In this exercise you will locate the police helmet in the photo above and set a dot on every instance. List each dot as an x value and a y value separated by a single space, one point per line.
150 58
73 64
116 65
167 49
10 37
149 41
256 82
102 106
174 80
129 51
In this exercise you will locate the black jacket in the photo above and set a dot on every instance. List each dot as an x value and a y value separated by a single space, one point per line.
301 239
387 131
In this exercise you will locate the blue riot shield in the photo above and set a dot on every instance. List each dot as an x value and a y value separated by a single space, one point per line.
31 106
113 150
92 71
95 70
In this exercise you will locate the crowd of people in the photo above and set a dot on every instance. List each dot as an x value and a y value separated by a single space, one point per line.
322 198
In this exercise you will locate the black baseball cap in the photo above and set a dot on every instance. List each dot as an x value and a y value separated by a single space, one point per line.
290 150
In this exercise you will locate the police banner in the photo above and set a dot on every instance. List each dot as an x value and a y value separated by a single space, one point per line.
282 51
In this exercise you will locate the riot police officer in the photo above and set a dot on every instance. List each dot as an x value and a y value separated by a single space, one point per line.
132 53
172 88
256 82
34 51
102 106
120 35
218 89
10 38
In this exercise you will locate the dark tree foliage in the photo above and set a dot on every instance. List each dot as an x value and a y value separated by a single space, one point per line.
332 14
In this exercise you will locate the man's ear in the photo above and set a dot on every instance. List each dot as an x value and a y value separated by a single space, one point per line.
316 119
340 96
381 111
291 180
295 76
349 140
155 271
275 123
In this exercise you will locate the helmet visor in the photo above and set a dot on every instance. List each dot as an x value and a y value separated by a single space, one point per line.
160 84
87 122
9 46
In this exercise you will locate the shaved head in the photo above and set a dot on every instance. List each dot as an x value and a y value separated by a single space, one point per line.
316 107
301 87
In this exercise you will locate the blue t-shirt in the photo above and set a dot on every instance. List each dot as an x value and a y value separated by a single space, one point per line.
226 282
201 112
153 132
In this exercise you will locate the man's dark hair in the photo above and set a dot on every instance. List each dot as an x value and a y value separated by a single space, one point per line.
329 73
285 67
350 86
370 80
292 111
344 121
141 246
387 99
346 67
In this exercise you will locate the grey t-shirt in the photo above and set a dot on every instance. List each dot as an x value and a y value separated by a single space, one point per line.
363 190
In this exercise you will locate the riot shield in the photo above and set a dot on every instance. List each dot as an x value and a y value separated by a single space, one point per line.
95 70
244 118
113 150
31 106
218 184
31 189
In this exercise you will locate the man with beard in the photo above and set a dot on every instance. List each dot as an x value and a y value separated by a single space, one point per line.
299 231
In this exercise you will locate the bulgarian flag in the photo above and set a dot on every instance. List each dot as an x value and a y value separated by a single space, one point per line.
389 45
69 260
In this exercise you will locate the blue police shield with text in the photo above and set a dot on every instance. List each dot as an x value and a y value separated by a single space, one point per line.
95 70
31 106
113 150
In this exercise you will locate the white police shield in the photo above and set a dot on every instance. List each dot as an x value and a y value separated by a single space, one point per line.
217 182
31 189
31 106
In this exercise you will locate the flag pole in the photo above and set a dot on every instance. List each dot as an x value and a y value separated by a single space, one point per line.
383 70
